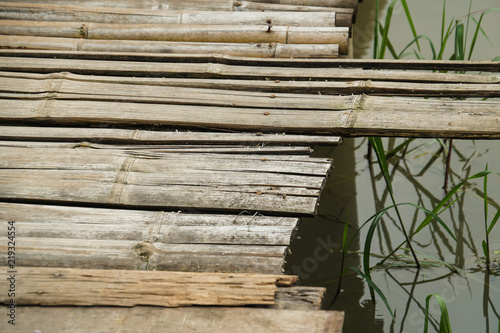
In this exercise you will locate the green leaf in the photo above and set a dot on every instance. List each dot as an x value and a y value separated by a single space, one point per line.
478 29
485 200
494 221
459 42
374 287
410 21
496 59
388 19
485 249
444 324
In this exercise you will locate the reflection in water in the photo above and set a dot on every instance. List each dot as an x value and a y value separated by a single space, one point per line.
316 248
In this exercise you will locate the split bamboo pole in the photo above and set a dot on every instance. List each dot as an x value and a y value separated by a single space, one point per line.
263 50
34 12
182 33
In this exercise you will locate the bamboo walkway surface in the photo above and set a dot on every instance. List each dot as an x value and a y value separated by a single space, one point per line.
155 154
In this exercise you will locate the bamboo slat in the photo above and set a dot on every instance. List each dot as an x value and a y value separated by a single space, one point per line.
317 3
341 86
72 286
388 64
273 50
98 238
87 224
126 136
227 150
204 5
139 178
349 115
47 12
181 32
133 255
223 71
182 320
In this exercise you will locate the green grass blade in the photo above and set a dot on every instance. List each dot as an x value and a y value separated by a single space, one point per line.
494 221
485 249
388 19
410 21
376 30
459 42
479 29
467 28
443 22
485 200
374 287
448 196
444 325
445 41
433 49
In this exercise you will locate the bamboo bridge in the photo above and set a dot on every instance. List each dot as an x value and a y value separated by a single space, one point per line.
155 155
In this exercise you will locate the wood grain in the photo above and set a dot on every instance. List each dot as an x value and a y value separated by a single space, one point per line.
71 286
183 320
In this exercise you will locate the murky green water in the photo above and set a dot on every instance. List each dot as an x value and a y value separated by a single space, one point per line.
356 190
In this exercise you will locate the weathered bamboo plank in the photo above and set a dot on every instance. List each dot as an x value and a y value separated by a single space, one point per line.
133 255
350 115
204 5
382 88
182 32
182 320
429 65
47 12
95 91
147 190
69 89
317 3
126 136
42 221
276 50
112 158
149 150
222 71
72 286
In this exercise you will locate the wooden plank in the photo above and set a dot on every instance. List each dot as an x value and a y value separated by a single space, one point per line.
404 64
275 50
126 136
300 298
182 320
47 12
349 115
42 221
156 256
222 71
72 286
182 32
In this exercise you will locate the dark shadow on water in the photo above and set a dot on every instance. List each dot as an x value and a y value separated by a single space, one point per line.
316 249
